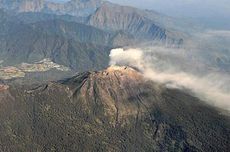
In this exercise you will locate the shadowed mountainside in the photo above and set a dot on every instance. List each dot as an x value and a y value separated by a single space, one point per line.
76 34
75 45
141 24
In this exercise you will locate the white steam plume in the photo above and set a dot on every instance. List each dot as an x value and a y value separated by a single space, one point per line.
211 87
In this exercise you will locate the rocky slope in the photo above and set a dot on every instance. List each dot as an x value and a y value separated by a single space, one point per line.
77 34
22 5
73 7
72 44
139 23
111 110
63 40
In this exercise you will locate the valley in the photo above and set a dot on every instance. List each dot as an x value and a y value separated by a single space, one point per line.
19 71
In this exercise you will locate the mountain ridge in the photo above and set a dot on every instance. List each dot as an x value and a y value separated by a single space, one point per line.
73 7
141 24
32 42
133 21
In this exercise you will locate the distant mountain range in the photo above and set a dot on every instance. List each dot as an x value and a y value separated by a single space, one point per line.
58 40
78 34
101 14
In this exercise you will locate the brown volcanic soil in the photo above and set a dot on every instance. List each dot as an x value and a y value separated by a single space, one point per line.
111 110
3 87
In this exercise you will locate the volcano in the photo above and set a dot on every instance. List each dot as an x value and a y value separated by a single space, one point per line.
115 109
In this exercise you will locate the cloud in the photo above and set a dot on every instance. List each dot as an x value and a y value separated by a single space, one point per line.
165 65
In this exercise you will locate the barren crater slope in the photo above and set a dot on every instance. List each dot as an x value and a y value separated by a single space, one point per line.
111 110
